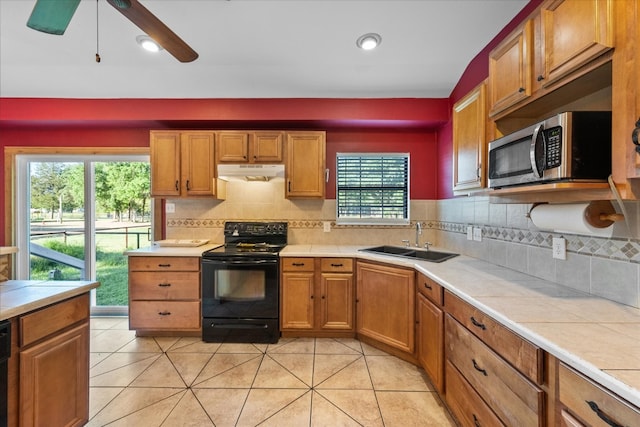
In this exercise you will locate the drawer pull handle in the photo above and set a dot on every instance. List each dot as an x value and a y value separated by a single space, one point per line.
336 265
478 324
165 313
298 264
428 286
478 368
164 285
164 265
476 421
604 417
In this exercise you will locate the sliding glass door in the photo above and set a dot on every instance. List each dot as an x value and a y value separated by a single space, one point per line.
77 215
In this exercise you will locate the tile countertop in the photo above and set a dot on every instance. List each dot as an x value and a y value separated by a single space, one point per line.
596 336
157 250
22 296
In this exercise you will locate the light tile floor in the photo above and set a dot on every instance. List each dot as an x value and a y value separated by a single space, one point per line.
171 381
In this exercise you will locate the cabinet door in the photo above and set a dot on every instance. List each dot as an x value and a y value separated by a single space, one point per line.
430 338
54 380
267 147
469 141
510 69
233 147
336 300
305 168
297 301
198 163
165 163
385 305
575 32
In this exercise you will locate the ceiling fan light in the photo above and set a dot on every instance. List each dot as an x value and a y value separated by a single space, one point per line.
148 43
369 41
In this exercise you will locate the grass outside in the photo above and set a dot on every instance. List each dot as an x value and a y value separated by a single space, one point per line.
111 263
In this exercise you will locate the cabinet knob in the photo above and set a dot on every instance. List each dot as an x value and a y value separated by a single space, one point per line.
164 265
478 368
336 265
521 90
177 186
634 136
428 286
540 78
298 264
604 417
478 324
164 313
164 285
188 186
311 296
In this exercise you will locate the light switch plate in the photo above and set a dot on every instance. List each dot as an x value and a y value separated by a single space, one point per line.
559 246
170 208
469 232
477 234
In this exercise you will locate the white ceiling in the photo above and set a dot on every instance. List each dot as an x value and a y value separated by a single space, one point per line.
253 49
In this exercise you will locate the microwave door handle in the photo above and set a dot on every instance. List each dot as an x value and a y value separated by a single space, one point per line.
532 150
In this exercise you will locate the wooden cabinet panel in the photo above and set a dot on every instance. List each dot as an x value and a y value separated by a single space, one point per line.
305 167
164 285
198 167
593 404
336 265
465 404
267 147
297 305
164 315
469 140
385 305
575 32
297 264
510 68
430 340
165 163
430 289
233 147
336 301
514 399
44 322
520 353
54 380
161 263
250 147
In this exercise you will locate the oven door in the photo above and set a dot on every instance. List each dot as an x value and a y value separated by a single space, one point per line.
240 288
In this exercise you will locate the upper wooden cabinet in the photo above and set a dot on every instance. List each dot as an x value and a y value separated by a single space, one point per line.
249 147
306 162
574 33
547 50
510 68
469 141
182 163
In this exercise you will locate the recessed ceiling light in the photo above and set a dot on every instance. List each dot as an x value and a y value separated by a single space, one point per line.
148 43
369 41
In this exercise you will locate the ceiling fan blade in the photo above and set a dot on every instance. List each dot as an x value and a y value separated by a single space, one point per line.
154 28
52 17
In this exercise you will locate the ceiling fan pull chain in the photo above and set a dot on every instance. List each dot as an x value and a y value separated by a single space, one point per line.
97 34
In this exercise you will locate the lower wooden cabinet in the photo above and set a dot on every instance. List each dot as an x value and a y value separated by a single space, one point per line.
53 367
385 305
164 295
430 330
584 403
316 297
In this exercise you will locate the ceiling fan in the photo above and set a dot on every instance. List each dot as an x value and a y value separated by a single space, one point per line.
53 17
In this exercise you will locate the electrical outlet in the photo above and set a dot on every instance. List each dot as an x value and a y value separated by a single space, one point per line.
327 226
170 208
469 232
559 248
477 234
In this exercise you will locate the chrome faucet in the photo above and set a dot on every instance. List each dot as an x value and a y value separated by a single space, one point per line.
418 233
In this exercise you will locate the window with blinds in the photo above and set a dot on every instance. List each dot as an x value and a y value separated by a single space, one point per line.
372 188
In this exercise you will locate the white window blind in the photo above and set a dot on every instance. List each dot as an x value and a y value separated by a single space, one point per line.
372 188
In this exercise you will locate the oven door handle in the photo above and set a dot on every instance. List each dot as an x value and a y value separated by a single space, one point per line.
240 261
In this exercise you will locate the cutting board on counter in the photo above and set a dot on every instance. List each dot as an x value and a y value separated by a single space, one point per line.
190 243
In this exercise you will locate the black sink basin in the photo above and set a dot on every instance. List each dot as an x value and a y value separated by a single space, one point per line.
419 254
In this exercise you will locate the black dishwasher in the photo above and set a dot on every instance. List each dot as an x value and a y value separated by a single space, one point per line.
5 352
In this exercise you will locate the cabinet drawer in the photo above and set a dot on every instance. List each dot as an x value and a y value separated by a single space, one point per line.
297 264
342 265
54 318
525 356
430 289
514 399
593 404
161 263
164 315
468 408
162 285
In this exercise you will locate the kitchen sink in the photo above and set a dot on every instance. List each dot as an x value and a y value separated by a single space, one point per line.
405 252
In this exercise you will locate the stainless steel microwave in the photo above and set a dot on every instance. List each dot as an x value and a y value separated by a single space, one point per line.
570 146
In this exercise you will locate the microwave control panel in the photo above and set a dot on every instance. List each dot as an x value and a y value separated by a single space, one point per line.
554 148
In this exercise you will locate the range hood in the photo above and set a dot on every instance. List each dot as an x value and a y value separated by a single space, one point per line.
250 172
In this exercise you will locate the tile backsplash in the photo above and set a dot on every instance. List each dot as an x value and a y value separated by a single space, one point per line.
606 267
